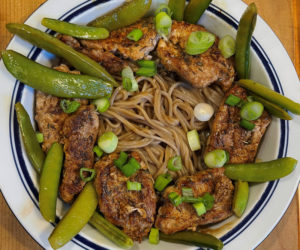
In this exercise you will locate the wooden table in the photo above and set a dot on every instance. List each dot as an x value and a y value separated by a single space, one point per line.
280 15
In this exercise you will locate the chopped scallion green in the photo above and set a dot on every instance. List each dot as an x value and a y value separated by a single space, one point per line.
200 208
187 192
188 199
135 35
216 158
108 142
146 72
247 125
163 24
175 198
146 63
154 236
252 111
82 172
175 163
162 181
163 8
208 200
193 139
131 167
102 104
199 42
120 162
69 106
39 137
98 151
232 100
128 80
227 46
134 186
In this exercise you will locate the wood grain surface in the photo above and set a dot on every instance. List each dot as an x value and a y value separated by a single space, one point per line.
281 15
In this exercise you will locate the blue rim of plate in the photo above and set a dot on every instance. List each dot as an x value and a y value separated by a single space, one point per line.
15 140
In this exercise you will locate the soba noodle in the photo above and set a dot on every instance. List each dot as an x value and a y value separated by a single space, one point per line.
154 121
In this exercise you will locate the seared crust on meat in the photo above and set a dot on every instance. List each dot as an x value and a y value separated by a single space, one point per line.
80 133
199 70
227 134
171 219
133 211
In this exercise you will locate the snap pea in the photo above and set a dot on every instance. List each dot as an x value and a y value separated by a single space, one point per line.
240 197
273 108
177 8
128 13
45 41
270 95
75 219
195 9
110 231
49 182
52 81
79 31
33 149
243 40
193 238
262 171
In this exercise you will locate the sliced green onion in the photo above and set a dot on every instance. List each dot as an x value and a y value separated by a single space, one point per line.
175 163
252 111
69 106
216 158
131 167
134 186
232 100
241 103
247 125
92 173
128 80
163 24
250 98
98 151
200 208
175 198
188 199
187 192
39 137
108 142
102 104
146 72
120 162
193 139
162 181
227 46
163 8
154 236
199 42
135 35
208 200
146 64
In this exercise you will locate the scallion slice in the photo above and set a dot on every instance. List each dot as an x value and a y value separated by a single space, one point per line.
200 208
199 42
216 158
120 162
146 72
187 192
208 200
247 125
188 199
193 139
232 100
128 80
162 181
154 236
92 173
175 163
227 46
134 186
163 8
135 35
98 151
102 104
69 106
163 24
39 137
108 142
175 198
131 167
146 63
252 111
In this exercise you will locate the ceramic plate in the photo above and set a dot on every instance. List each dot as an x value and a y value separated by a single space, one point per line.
270 65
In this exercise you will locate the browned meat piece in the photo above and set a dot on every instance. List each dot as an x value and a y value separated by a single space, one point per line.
227 134
171 219
199 70
80 133
133 211
49 115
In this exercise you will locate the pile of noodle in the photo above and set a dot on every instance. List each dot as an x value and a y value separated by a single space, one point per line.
154 122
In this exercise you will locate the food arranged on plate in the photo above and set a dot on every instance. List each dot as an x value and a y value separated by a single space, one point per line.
149 126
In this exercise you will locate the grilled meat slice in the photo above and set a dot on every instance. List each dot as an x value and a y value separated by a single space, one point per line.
49 115
199 70
171 219
80 133
133 211
227 134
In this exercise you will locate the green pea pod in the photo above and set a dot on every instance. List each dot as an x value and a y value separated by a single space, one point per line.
128 13
193 238
262 171
111 231
243 40
52 81
240 198
49 181
33 149
75 30
273 108
76 218
195 9
270 95
177 8
45 41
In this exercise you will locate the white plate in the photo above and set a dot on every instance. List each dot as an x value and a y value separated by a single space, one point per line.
270 65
